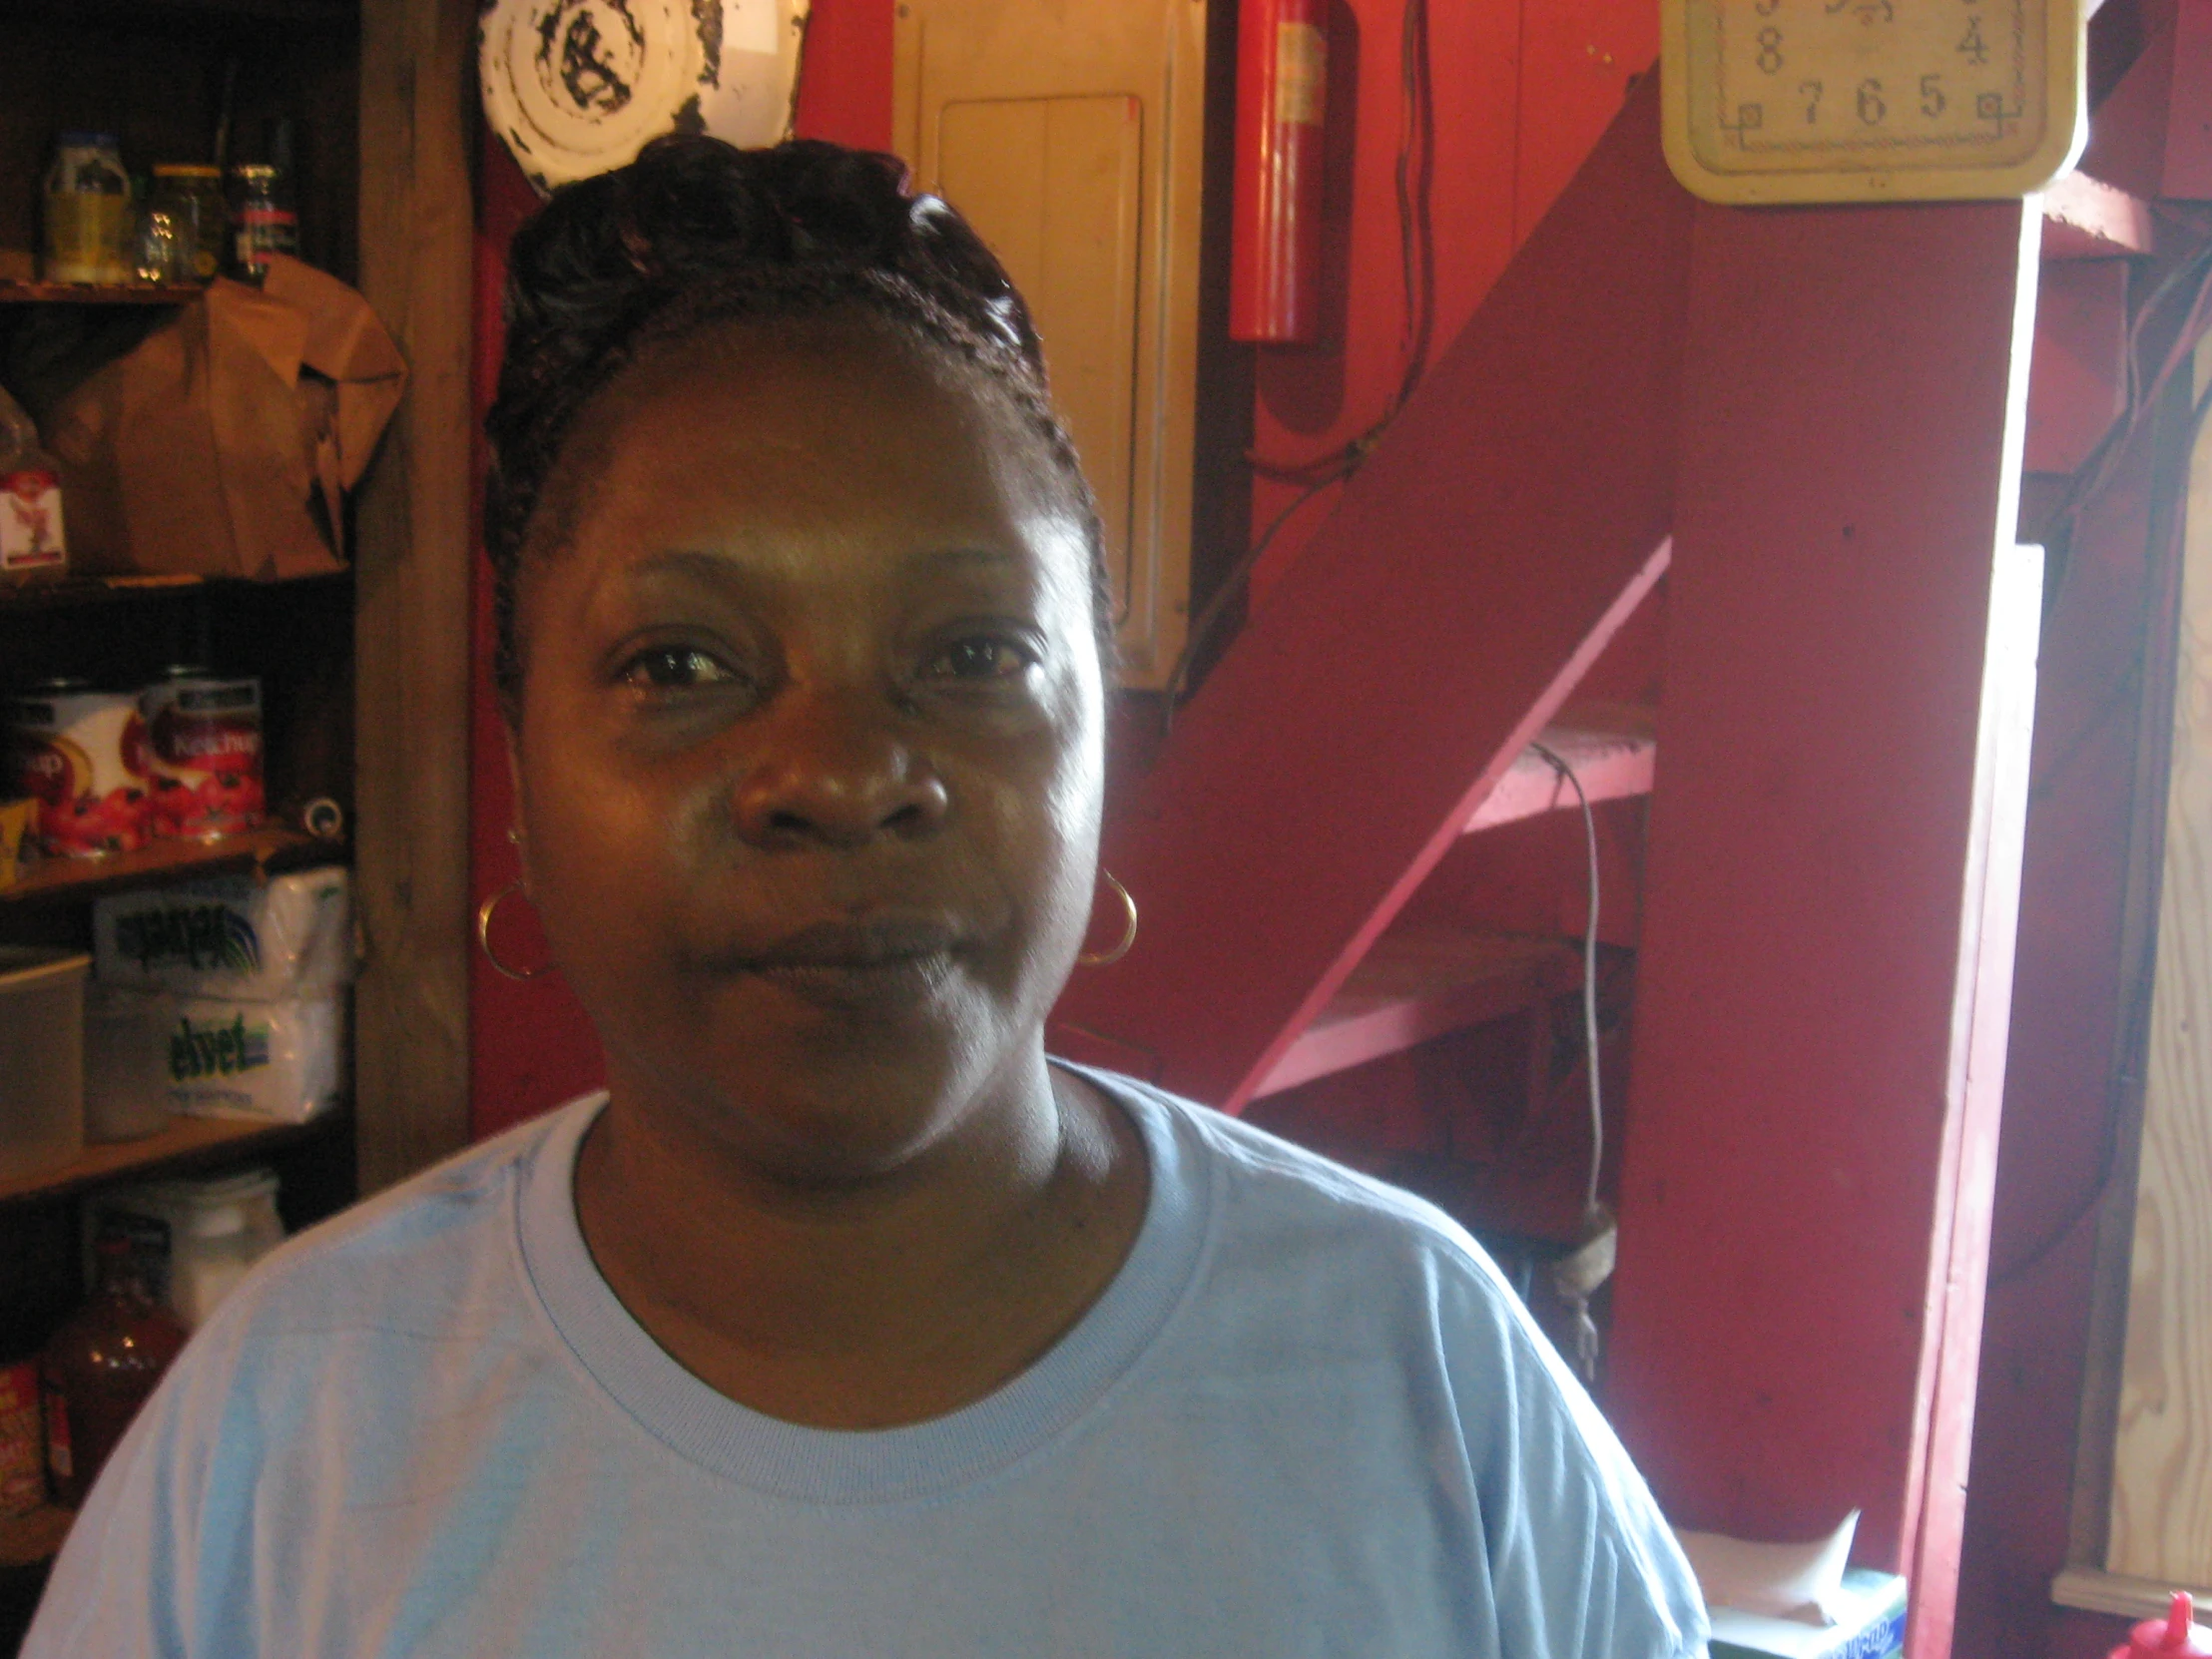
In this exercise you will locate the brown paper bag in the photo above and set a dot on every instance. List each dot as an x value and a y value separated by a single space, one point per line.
224 444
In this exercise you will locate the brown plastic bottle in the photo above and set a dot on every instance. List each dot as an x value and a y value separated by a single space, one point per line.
99 1367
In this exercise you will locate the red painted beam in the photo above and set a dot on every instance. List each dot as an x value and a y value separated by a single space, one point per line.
1821 1015
2188 175
2077 385
2084 219
1507 523
2152 135
1613 757
1419 983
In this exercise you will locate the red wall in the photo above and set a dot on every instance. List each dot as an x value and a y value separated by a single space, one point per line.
1522 90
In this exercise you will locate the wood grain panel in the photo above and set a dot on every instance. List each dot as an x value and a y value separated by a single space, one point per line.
2162 1517
1093 89
412 632
1055 186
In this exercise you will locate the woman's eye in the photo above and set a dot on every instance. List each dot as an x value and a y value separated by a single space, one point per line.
675 668
980 658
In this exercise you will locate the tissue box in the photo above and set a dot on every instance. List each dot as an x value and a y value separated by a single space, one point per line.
291 938
276 1060
1871 1625
228 1057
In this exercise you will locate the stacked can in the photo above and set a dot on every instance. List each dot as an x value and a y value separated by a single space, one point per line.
81 754
204 749
111 771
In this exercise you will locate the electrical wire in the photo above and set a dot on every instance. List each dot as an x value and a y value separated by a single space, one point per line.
1210 615
2139 393
1412 177
1589 980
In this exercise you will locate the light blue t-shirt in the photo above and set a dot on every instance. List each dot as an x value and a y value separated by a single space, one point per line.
1306 1417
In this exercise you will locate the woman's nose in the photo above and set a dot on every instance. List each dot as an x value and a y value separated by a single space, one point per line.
834 770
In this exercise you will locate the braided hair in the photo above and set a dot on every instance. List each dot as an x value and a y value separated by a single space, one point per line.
696 232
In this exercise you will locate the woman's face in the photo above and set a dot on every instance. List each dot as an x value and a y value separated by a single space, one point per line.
810 752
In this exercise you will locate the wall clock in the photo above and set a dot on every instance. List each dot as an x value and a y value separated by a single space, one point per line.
1769 100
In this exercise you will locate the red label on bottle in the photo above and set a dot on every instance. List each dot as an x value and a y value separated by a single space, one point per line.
58 1460
30 521
22 1468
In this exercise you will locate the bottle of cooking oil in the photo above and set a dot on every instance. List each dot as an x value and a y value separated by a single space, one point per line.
88 210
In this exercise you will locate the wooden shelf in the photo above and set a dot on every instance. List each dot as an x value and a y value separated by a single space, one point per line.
27 1540
1419 983
1612 750
108 590
69 880
186 1141
92 590
164 15
98 294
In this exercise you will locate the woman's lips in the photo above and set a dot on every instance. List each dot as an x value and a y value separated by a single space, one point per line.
879 963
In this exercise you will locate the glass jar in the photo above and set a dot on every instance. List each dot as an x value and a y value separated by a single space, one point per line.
261 223
188 204
154 242
88 210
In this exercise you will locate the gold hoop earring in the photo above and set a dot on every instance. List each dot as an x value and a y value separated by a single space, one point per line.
484 912
1107 958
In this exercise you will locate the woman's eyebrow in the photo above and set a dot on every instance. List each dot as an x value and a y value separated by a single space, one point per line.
721 567
694 562
993 557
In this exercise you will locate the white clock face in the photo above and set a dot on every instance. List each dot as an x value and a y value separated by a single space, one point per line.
1811 100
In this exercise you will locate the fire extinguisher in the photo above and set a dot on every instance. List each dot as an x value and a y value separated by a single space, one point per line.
1274 241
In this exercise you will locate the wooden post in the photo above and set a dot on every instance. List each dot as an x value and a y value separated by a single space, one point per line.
412 640
2161 1492
1823 994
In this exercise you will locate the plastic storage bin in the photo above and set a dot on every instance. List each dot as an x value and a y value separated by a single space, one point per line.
126 1068
42 1059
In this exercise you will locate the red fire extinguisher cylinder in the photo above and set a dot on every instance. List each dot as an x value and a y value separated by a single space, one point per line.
1275 239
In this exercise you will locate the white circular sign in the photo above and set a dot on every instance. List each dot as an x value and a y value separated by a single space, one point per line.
578 86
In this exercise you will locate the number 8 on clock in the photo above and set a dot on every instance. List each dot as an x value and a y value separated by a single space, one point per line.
1769 100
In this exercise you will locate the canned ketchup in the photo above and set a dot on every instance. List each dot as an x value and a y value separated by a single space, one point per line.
81 754
203 739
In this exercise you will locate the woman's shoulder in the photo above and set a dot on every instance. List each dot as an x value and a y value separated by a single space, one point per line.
406 1255
1313 1217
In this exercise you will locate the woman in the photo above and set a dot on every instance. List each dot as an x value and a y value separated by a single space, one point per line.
845 1322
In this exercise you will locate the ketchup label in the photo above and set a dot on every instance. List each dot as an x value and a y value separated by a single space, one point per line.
205 743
